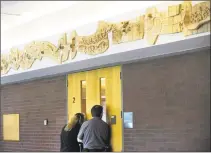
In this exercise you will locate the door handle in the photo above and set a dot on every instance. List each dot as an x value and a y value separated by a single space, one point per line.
73 99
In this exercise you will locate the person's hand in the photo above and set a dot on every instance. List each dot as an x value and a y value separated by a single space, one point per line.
79 140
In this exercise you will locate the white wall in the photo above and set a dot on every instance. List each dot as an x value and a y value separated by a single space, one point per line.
87 30
67 19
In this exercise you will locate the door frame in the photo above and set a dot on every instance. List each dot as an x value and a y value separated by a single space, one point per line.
121 97
122 106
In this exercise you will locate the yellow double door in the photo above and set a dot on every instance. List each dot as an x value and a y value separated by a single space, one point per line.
98 87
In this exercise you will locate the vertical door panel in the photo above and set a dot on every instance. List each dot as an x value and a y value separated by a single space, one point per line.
74 93
93 95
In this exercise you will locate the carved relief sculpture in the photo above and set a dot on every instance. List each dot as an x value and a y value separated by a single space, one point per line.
63 49
179 18
5 67
126 31
96 43
14 58
175 19
42 49
49 50
27 59
158 23
73 45
200 14
153 25
34 49
198 20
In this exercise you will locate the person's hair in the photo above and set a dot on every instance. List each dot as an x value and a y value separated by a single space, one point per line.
97 111
78 118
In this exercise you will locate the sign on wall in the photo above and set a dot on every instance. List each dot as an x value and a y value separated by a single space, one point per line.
11 127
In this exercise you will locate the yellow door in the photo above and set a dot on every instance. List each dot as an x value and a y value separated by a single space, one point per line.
98 87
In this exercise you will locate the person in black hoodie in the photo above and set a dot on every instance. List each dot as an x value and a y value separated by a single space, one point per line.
69 134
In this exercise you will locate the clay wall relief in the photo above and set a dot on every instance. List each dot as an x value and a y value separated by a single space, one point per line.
179 18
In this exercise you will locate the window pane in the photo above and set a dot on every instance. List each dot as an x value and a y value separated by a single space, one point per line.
103 96
83 97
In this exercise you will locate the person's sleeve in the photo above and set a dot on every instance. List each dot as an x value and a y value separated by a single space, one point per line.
61 140
81 132
109 135
108 140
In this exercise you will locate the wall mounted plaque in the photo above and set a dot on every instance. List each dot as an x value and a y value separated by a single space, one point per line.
128 120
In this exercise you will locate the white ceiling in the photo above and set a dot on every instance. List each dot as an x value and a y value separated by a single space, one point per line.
14 13
40 19
8 3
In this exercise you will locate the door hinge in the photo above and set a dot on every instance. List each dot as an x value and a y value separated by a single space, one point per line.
121 114
120 75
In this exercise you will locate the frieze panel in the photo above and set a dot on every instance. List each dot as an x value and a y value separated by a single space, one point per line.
96 43
179 18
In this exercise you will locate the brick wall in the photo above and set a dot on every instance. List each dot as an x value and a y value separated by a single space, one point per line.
0 122
170 98
36 101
